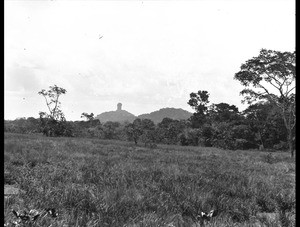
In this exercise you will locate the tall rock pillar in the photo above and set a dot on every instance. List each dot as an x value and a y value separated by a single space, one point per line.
119 106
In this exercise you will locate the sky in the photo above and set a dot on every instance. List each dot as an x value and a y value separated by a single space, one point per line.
147 54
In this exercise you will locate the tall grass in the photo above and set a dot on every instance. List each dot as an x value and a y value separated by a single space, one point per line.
111 183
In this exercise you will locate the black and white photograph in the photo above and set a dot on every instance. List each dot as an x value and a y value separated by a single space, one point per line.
149 113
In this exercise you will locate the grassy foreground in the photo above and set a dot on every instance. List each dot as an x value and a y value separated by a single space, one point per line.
110 183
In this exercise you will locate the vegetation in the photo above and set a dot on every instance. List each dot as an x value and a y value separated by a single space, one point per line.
268 123
94 182
164 173
222 126
272 70
54 122
51 97
88 117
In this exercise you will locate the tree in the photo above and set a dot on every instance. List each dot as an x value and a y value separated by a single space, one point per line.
223 112
148 136
110 130
51 97
271 76
147 124
207 133
165 123
32 125
141 129
266 122
134 130
89 117
190 137
54 122
199 101
168 130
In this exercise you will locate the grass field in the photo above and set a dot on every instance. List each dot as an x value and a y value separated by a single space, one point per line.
101 183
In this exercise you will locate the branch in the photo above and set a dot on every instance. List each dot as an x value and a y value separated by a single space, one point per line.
276 81
48 105
280 84
278 88
293 125
287 93
56 101
266 90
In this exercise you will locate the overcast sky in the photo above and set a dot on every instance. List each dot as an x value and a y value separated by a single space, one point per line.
152 54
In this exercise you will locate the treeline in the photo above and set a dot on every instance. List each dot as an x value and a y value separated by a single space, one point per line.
217 125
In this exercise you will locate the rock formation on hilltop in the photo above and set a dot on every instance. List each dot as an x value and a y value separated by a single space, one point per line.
117 116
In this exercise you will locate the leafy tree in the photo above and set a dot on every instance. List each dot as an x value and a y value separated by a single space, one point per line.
193 136
147 124
223 136
148 132
110 130
199 102
223 112
169 130
54 122
129 130
95 132
190 137
52 101
183 139
89 117
243 137
266 122
257 118
149 137
134 130
271 76
90 128
165 122
141 129
207 134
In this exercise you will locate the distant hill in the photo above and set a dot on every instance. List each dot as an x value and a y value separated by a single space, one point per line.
117 116
173 113
157 116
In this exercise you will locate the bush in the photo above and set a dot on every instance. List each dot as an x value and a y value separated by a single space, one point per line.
207 134
183 140
193 136
243 144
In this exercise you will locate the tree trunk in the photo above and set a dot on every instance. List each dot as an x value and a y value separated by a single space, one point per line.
289 127
290 142
261 147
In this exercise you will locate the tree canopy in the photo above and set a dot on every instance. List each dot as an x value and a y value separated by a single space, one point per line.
54 123
52 101
271 76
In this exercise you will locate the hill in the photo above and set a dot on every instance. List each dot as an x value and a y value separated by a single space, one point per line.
157 116
173 113
117 116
